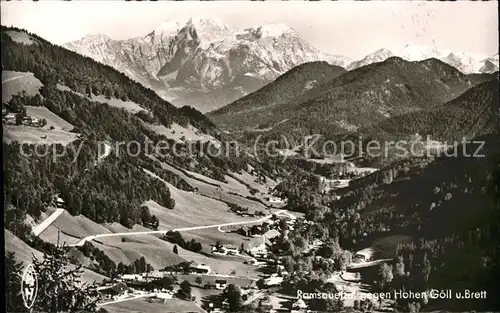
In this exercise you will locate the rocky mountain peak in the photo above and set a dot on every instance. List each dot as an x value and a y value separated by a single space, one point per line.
271 30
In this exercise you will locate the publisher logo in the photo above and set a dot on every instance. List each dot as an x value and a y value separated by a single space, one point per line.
29 286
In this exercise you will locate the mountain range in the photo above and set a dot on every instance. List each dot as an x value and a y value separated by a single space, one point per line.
334 103
202 62
465 62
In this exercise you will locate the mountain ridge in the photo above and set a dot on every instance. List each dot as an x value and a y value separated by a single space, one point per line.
177 60
354 99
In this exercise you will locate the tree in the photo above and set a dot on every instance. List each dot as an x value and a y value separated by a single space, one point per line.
330 249
399 268
60 286
13 272
184 291
233 295
261 283
176 250
344 260
385 272
199 280
328 304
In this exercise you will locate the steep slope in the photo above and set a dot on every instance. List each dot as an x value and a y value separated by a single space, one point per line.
202 55
358 98
490 65
98 188
101 175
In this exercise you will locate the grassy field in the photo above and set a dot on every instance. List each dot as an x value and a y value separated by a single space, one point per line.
51 118
157 252
207 279
249 179
183 134
14 83
153 306
223 191
24 254
20 37
130 106
38 135
191 209
70 229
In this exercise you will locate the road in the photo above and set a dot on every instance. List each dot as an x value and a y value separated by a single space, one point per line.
126 299
152 232
14 78
37 230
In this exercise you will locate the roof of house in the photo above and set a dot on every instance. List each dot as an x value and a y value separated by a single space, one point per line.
300 304
270 234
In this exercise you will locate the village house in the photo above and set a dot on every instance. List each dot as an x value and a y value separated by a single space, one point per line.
273 280
155 274
276 200
10 118
201 269
115 290
132 277
230 249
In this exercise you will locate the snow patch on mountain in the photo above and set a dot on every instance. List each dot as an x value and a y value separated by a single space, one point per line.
271 30
377 56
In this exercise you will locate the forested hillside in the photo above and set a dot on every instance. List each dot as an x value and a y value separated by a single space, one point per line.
355 99
474 112
56 65
110 189
284 89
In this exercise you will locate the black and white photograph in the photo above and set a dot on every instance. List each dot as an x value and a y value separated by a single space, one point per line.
250 156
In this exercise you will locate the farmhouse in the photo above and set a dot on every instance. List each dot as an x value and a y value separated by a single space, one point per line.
230 249
132 277
273 280
10 118
114 290
275 200
201 269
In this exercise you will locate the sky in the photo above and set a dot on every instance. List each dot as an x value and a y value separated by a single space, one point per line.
353 29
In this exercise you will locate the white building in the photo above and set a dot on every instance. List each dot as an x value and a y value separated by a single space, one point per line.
137 277
164 295
201 269
155 274
273 280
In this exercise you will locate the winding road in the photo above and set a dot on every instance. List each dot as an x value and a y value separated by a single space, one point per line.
152 232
